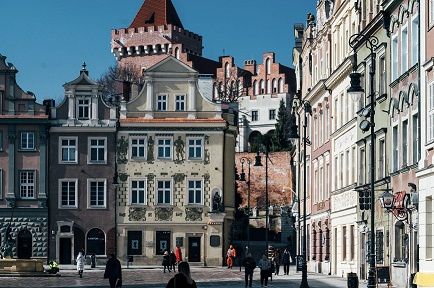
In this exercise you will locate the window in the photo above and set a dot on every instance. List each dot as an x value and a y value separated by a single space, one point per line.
344 243
255 88
164 148
97 150
401 239
27 140
394 57
415 138
352 243
404 49
1 185
68 149
272 114
95 242
162 241
162 103
138 148
381 159
164 191
134 243
379 246
428 227
83 107
138 192
262 84
395 148
254 115
347 171
195 192
227 70
195 147
431 12
414 40
177 57
383 76
27 184
268 66
68 193
362 166
180 102
404 142
336 173
430 127
280 85
354 164
96 190
1 132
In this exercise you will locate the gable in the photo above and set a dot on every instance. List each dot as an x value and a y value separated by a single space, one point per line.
171 65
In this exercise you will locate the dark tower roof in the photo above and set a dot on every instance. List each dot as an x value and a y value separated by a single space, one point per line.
156 13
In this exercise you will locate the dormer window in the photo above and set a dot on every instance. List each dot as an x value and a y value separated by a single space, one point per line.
83 107
162 102
180 102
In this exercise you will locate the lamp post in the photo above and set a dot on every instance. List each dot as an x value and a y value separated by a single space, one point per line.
258 163
306 107
243 178
356 92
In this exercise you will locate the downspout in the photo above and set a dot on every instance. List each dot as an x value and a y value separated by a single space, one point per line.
224 184
419 118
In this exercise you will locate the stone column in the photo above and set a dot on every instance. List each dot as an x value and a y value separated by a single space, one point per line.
94 106
71 105
149 99
191 99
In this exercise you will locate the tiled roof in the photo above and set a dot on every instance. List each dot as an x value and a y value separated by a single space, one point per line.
156 13
171 120
24 116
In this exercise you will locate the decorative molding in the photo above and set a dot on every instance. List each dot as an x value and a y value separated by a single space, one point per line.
150 154
137 214
163 213
123 177
193 213
122 150
179 177
151 177
206 159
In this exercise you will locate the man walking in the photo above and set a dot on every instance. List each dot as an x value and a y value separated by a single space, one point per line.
249 266
113 272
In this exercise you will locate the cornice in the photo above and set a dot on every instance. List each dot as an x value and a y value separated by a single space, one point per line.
343 69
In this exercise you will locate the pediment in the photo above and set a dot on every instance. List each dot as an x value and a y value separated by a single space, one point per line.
170 65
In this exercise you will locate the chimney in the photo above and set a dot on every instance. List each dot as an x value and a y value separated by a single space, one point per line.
48 103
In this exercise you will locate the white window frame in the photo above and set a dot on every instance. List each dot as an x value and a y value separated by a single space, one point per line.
157 189
26 134
415 36
180 103
137 146
404 44
90 147
195 190
383 75
430 112
27 185
68 180
82 105
165 157
89 205
269 114
395 150
431 13
394 66
61 147
162 102
404 141
257 115
195 146
138 191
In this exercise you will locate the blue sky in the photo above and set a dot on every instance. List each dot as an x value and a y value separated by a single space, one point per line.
48 40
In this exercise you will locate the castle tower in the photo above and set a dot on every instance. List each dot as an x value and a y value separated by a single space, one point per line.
155 33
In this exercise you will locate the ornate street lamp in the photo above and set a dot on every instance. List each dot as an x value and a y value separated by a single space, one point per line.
293 134
243 178
356 92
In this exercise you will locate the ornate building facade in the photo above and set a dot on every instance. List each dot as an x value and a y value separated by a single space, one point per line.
82 167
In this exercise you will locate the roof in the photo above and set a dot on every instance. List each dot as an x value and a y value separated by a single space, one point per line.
156 13
82 79
171 120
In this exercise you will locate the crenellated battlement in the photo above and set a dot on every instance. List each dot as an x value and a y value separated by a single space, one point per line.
152 40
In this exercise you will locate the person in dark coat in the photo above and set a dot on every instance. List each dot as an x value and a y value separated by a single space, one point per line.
286 260
113 271
249 266
172 261
276 260
183 278
166 261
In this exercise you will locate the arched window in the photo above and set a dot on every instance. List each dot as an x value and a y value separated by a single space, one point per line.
262 84
268 86
275 86
95 242
227 70
268 66
280 85
255 88
177 53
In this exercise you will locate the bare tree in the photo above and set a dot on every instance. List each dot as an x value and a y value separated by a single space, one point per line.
230 88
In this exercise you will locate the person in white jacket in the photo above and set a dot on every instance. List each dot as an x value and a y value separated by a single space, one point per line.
80 263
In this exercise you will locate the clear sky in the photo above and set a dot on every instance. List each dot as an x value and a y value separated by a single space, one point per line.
48 40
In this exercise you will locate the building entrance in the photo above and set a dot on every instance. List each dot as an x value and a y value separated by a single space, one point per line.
194 249
24 244
65 246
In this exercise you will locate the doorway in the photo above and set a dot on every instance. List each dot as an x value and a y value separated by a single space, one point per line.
194 249
65 246
24 244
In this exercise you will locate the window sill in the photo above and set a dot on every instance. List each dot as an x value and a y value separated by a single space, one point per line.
138 159
67 208
192 205
399 264
97 163
68 163
96 208
27 150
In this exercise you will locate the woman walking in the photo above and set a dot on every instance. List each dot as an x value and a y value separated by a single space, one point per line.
80 263
166 261
286 261
265 266
113 272
183 278
172 261
276 261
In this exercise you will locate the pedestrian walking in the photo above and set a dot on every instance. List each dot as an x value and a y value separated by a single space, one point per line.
276 260
178 254
80 263
249 266
286 261
166 261
172 261
113 272
230 256
265 266
182 278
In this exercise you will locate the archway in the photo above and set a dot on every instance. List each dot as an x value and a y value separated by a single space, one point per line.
255 141
95 242
24 244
